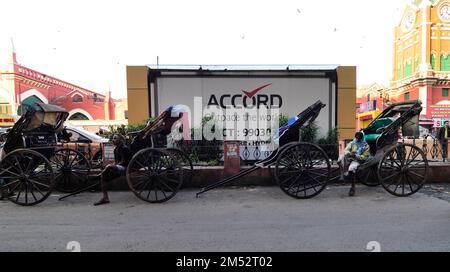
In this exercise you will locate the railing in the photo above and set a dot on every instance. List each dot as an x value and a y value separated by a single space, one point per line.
205 152
202 152
430 146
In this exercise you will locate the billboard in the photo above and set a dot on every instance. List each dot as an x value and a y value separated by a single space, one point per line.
368 106
440 111
243 95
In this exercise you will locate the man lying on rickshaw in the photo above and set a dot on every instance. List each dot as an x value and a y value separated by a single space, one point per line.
356 153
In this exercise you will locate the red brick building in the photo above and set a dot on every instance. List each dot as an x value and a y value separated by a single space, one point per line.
21 86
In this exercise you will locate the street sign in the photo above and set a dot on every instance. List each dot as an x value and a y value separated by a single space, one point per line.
438 122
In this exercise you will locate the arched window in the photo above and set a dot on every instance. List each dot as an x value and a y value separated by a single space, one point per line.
78 116
408 69
433 61
77 98
445 63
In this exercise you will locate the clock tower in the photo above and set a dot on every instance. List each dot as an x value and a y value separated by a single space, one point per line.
421 62
444 11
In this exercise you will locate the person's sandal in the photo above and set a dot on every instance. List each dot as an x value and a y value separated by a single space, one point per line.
351 192
101 202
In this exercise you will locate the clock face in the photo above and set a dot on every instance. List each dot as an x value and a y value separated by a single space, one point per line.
444 12
408 21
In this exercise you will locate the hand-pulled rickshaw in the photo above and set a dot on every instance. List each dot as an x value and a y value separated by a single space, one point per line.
302 169
156 172
32 164
401 168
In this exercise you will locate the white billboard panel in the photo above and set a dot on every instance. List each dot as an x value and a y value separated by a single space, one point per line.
292 94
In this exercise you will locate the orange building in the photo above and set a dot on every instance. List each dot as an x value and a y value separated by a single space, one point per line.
421 62
421 65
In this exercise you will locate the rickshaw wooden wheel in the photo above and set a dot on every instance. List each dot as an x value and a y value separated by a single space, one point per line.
71 169
186 163
271 167
302 170
154 175
27 176
403 170
368 176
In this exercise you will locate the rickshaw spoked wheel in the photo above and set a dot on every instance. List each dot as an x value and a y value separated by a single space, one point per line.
71 168
302 170
154 175
27 177
186 163
403 170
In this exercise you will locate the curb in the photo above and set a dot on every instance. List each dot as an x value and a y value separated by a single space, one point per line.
206 175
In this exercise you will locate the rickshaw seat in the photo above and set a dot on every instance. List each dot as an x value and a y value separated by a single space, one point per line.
372 137
372 133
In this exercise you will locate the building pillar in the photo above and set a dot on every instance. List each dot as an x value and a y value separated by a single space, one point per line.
138 94
346 101
106 104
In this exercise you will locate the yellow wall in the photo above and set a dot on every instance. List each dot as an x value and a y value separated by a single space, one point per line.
440 45
121 107
346 101
365 123
408 45
7 83
137 89
6 116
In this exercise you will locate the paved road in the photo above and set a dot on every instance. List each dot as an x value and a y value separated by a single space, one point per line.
234 219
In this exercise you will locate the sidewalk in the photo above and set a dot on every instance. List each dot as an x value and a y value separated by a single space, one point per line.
439 172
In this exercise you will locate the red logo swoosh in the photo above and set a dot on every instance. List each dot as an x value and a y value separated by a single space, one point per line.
252 93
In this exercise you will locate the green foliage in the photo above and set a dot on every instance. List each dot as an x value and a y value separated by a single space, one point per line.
309 132
331 138
127 128
205 120
282 120
204 152
213 162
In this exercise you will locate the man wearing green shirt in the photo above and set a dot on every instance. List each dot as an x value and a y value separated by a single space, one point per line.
355 154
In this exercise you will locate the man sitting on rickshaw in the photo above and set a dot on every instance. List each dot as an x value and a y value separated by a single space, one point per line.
355 154
163 125
122 157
